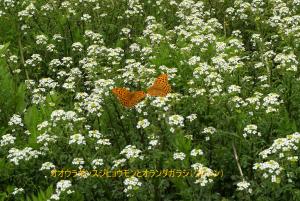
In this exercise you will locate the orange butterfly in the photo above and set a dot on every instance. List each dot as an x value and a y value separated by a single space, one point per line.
160 87
128 98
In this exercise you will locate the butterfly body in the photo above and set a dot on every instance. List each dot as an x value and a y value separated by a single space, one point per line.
128 98
161 87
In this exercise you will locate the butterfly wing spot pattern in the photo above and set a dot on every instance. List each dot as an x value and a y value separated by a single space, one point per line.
161 87
128 98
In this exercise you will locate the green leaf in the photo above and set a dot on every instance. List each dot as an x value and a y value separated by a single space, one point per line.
32 118
3 48
20 98
42 195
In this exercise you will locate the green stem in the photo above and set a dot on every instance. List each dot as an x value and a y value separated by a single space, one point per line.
237 160
22 55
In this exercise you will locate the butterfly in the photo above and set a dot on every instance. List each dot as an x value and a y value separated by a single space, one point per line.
128 98
160 87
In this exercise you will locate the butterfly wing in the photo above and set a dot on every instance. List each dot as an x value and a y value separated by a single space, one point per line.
161 87
122 94
136 97
127 98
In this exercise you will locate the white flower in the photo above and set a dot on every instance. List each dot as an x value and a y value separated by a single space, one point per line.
103 141
287 144
46 138
15 155
15 120
42 125
17 191
143 123
97 162
234 88
132 183
86 17
179 155
209 130
7 139
78 161
47 166
204 174
244 185
63 185
192 117
153 143
130 151
251 129
196 152
77 138
41 39
119 162
176 120
270 169
77 47
271 101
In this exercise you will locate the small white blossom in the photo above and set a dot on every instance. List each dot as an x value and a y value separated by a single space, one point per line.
179 155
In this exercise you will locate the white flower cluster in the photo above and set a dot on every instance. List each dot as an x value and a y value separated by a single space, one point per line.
204 174
92 103
13 59
131 184
86 17
77 47
251 130
47 83
78 161
179 156
61 115
270 169
209 130
35 60
15 120
95 38
244 186
234 89
41 39
130 151
10 3
7 139
196 152
271 101
103 141
282 146
97 162
42 125
17 191
119 162
154 141
143 123
192 117
161 102
95 134
176 120
45 138
287 61
27 13
77 139
254 101
134 8
16 155
47 166
61 186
